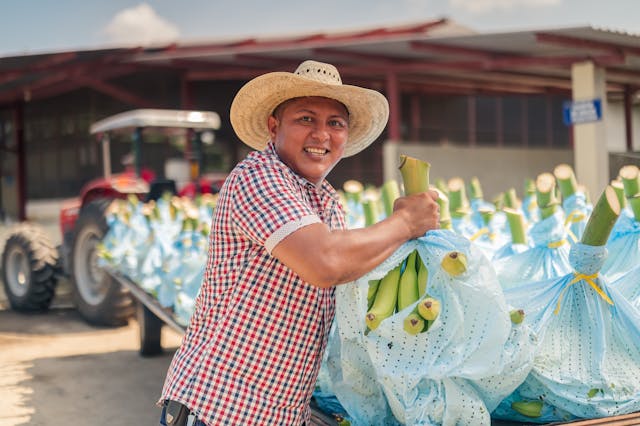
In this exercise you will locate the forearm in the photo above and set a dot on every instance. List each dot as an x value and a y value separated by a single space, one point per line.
355 252
327 258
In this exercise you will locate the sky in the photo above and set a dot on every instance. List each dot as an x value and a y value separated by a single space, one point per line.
39 26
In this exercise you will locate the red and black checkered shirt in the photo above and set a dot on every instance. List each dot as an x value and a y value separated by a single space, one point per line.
252 351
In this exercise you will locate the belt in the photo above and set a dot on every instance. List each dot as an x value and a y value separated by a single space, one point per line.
177 414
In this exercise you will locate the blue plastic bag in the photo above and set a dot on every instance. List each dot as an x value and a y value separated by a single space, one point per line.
455 373
547 258
623 246
587 362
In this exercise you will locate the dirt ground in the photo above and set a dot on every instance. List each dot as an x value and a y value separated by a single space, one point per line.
56 370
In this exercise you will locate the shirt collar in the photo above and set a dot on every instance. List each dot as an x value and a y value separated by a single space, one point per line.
325 189
325 186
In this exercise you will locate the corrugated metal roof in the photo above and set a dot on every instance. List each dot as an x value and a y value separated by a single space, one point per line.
433 56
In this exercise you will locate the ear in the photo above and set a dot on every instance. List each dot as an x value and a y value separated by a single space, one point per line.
272 125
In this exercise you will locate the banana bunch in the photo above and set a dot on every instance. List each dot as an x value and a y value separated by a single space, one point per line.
401 287
405 285
428 308
528 408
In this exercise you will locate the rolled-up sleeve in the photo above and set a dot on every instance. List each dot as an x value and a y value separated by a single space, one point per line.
267 206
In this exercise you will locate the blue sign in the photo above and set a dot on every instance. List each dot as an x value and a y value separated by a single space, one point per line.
577 112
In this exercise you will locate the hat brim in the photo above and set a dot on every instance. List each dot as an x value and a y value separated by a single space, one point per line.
256 100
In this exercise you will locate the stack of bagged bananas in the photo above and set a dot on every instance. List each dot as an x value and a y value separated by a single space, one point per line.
587 361
427 337
567 280
161 246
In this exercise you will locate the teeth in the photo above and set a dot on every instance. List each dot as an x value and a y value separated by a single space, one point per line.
316 150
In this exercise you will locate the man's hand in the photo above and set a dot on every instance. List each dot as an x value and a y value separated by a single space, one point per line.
420 212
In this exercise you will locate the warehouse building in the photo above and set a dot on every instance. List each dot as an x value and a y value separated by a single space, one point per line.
500 106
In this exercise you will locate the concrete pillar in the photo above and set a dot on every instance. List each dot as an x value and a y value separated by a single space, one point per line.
390 160
591 156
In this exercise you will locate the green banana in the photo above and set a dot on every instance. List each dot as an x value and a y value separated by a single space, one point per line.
531 408
423 276
429 308
386 298
371 294
414 323
408 286
455 263
517 316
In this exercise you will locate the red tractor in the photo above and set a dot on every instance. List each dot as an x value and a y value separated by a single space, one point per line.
32 266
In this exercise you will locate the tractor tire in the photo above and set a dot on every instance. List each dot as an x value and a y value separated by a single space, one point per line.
150 331
29 266
99 298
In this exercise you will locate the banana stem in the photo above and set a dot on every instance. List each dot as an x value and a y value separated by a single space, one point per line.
618 186
415 175
445 214
566 180
458 201
634 203
475 189
498 201
390 191
630 176
353 190
546 194
442 186
516 226
369 209
511 198
529 187
486 216
602 218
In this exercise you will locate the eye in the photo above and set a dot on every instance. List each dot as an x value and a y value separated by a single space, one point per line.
338 123
306 119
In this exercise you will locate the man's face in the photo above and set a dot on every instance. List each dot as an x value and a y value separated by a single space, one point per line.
309 135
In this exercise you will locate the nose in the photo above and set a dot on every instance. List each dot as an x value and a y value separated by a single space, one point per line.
320 132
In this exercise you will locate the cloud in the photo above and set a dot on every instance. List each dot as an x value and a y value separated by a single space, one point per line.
485 6
140 25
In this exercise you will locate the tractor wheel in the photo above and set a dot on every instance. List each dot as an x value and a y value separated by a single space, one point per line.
99 298
29 263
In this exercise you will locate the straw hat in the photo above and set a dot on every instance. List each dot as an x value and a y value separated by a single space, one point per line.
256 100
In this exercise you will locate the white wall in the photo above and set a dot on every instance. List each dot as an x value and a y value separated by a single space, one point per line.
615 127
498 169
616 133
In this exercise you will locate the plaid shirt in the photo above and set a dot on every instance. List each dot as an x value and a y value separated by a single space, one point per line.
253 349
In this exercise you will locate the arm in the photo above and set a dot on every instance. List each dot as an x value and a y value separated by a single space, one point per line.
326 258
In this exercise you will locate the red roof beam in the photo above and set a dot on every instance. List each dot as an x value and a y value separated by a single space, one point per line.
559 61
356 56
417 29
48 63
25 92
576 42
36 88
230 73
421 46
482 65
262 60
473 85
45 63
115 92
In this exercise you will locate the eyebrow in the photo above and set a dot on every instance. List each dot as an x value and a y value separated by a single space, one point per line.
339 115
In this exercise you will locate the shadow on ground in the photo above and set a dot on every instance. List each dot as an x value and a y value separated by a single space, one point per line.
57 370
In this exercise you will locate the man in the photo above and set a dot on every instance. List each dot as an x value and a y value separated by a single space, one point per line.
278 246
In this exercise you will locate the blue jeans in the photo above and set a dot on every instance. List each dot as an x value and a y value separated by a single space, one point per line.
163 420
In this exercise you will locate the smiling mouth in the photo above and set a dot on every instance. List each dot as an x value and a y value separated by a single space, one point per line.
316 151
